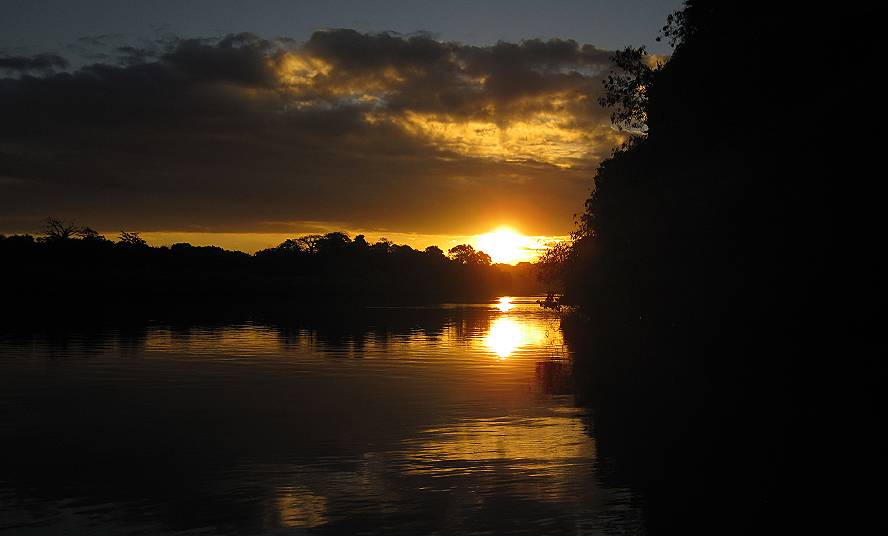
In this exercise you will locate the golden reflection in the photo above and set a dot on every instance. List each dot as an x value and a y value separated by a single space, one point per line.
530 442
230 341
299 507
507 326
548 447
505 304
506 335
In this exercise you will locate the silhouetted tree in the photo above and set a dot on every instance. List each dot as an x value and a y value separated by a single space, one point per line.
56 229
86 233
309 243
131 239
434 251
311 271
553 264
466 254
335 242
626 89
360 242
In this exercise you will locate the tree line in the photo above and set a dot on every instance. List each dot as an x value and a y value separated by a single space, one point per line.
76 267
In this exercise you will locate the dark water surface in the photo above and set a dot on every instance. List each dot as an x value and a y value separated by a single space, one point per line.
446 420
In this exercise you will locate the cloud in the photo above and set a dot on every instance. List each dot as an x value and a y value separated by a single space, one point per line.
372 130
40 64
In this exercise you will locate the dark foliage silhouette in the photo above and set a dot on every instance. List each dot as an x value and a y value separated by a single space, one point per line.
696 269
466 255
77 268
626 88
60 230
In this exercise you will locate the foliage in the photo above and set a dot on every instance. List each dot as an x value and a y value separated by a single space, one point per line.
553 263
131 239
682 25
626 89
466 255
56 230
312 269
699 259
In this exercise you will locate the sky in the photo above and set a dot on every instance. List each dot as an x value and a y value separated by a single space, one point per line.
243 123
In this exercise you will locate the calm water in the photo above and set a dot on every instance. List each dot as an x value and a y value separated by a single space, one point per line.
445 420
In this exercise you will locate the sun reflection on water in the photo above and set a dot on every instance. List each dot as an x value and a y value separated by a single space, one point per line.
538 457
504 337
298 506
470 404
505 304
507 333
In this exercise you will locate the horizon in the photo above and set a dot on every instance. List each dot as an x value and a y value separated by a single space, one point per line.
519 248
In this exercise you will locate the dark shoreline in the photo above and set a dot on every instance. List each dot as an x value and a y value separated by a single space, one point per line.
727 457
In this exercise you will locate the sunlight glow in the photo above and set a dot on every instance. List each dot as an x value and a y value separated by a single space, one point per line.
507 246
507 335
504 337
505 304
551 137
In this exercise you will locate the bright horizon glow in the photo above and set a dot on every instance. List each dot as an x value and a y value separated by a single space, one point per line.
525 248
505 245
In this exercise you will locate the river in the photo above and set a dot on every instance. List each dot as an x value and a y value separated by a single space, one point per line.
453 419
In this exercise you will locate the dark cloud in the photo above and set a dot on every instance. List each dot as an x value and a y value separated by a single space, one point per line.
242 59
40 64
244 133
355 51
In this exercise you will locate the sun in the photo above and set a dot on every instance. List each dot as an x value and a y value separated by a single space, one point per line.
507 246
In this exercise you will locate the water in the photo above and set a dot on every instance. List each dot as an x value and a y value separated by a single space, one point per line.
455 419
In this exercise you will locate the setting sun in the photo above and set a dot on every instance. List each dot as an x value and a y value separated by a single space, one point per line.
504 245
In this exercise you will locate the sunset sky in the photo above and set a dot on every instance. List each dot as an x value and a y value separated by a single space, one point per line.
242 124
